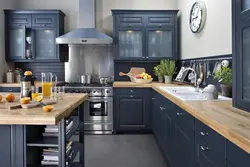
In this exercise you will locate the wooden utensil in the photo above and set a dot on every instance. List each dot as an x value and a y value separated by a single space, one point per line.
133 72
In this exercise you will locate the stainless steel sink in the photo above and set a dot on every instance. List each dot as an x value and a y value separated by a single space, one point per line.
185 93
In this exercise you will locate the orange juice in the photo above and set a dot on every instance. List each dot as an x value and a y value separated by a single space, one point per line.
46 88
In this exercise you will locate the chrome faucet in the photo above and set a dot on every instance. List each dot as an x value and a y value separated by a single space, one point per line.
194 79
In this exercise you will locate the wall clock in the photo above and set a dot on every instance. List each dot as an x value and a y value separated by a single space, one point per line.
197 18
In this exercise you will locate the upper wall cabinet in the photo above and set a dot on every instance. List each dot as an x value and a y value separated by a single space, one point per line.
30 36
241 52
145 35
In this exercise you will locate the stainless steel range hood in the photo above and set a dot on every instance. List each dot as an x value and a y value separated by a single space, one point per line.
86 32
84 36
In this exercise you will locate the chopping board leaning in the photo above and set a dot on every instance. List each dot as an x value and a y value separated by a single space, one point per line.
133 72
32 104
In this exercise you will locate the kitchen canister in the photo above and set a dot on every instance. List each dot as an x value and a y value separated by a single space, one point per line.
10 76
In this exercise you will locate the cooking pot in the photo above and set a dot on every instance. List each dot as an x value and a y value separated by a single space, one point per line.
85 79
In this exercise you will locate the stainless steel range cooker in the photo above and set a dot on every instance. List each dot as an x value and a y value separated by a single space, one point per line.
98 109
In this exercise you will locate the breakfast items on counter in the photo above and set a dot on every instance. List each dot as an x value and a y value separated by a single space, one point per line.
28 73
25 100
133 72
10 97
38 98
48 108
1 97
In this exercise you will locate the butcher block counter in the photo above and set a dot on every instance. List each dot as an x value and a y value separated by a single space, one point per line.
230 122
36 116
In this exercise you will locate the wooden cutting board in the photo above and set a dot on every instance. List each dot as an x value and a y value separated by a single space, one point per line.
133 72
32 104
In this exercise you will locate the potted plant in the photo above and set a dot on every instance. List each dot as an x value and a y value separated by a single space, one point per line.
159 73
168 68
224 76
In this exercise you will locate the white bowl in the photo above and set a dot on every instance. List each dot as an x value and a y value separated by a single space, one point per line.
143 81
29 39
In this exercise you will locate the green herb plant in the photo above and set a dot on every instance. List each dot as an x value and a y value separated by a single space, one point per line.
224 75
158 71
168 67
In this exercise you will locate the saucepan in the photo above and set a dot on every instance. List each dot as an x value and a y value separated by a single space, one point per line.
85 79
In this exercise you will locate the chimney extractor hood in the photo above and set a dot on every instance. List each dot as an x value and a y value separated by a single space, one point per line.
84 36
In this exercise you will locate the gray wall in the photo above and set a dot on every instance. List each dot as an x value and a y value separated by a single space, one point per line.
216 37
4 66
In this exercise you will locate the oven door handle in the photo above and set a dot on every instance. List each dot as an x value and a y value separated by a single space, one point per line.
100 100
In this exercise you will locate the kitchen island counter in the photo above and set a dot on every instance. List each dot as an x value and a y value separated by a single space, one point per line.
230 122
36 116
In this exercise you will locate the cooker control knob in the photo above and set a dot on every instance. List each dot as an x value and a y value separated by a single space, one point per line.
77 91
107 91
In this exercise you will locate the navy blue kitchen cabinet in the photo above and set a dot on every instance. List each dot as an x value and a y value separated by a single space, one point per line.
209 147
184 138
241 51
10 89
132 110
42 26
235 156
145 35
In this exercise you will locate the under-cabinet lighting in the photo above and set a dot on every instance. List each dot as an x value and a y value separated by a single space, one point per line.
158 31
129 31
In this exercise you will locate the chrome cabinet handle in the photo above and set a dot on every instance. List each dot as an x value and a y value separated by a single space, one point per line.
146 57
160 25
162 108
131 96
179 114
153 98
130 25
204 148
204 134
131 91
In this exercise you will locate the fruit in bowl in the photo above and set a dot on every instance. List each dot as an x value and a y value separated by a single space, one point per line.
143 78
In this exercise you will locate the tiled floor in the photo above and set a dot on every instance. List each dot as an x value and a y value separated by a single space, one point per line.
122 151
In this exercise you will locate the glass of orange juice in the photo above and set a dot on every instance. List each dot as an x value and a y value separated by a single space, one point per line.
47 83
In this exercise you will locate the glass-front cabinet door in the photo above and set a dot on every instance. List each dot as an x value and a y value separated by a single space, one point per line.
130 44
243 8
44 45
16 43
243 64
159 43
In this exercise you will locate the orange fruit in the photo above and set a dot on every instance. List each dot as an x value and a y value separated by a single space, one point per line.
1 98
25 100
38 98
27 73
47 108
10 97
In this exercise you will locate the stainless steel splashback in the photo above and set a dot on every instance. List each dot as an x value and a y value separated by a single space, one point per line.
93 59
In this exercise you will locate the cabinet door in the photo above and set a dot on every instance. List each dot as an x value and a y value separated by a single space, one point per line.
242 60
16 43
242 9
160 43
129 44
45 47
44 20
19 20
131 112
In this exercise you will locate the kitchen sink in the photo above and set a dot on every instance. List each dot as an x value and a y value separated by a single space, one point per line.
189 93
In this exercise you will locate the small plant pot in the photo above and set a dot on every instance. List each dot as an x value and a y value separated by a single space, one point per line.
168 79
226 90
160 79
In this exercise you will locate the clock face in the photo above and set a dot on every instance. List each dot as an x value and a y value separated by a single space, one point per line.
197 17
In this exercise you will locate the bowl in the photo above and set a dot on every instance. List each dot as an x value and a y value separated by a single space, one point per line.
29 39
143 81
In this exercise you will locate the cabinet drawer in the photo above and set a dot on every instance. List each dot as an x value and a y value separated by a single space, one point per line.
11 89
209 135
43 20
132 91
184 121
130 21
236 156
213 151
160 20
19 19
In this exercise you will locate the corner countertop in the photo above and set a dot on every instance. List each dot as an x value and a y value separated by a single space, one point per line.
36 116
230 122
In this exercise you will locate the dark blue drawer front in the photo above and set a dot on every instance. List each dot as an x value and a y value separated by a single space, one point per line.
160 20
132 20
236 156
214 151
229 165
184 121
131 91
209 135
44 20
12 89
19 20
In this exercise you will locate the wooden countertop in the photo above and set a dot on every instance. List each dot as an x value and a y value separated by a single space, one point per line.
13 85
36 116
230 122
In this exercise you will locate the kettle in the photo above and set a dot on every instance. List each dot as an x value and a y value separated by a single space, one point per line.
210 92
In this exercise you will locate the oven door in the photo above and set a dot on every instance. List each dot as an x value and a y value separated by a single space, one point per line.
98 110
